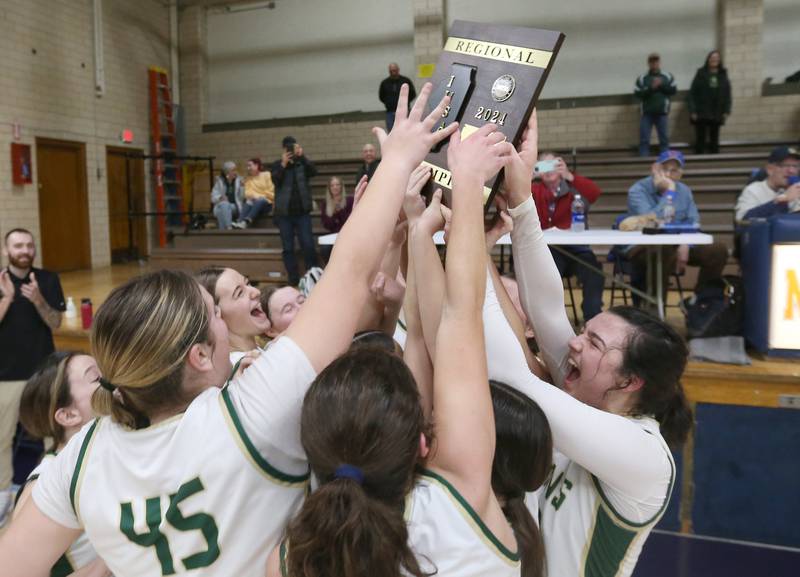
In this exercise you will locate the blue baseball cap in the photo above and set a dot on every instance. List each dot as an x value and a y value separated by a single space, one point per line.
671 155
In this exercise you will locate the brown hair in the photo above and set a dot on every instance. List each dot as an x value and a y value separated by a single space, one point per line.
657 354
45 392
140 338
522 459
208 278
363 410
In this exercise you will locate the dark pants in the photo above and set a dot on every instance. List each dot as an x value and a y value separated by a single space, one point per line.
289 226
591 282
660 121
706 136
711 258
389 120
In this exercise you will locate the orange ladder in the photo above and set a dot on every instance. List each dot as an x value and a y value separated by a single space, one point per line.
167 173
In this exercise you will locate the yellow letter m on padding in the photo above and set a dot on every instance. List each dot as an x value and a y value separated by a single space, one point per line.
792 294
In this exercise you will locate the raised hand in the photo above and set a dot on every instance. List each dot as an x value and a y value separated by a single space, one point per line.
414 204
479 156
6 286
388 292
431 219
247 360
519 171
503 226
31 291
411 137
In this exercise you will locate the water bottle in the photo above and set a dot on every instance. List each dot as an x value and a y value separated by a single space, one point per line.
669 210
578 214
86 313
71 312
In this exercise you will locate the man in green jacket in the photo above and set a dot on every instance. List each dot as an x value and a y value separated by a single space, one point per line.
654 90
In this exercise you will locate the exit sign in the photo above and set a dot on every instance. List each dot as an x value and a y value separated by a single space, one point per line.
126 136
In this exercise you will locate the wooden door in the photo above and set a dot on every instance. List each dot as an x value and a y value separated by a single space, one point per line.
63 205
127 233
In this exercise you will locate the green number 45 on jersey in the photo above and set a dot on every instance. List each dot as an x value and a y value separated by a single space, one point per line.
202 522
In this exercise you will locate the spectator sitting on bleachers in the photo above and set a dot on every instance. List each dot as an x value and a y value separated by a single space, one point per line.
371 162
649 196
776 194
334 210
259 194
227 196
553 193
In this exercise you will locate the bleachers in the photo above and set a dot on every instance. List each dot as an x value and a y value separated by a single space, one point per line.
716 181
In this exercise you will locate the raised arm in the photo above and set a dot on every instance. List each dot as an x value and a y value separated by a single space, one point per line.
540 287
623 456
465 430
326 323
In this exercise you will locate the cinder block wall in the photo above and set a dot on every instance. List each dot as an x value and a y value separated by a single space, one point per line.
47 86
739 28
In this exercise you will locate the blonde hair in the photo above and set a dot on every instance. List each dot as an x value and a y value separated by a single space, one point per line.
330 205
140 339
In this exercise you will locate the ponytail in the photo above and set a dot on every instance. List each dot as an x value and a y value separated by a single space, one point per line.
343 531
529 539
677 419
657 354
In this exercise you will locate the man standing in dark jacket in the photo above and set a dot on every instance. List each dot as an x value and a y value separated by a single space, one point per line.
709 103
389 92
292 178
654 90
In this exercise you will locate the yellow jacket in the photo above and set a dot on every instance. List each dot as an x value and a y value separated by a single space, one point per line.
259 186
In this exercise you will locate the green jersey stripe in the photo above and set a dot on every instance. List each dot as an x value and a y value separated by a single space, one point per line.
62 568
260 461
502 549
608 547
73 488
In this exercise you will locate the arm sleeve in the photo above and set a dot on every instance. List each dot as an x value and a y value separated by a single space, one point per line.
690 97
747 201
587 187
310 167
268 398
639 201
693 215
727 98
277 170
640 89
631 463
217 193
51 491
540 288
382 92
54 295
669 87
766 210
412 92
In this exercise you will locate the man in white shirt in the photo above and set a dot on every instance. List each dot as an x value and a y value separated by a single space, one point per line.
779 193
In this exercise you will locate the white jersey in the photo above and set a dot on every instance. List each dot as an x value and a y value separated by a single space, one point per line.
584 530
448 536
208 491
81 552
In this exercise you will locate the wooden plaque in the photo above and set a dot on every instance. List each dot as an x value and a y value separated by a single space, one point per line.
493 74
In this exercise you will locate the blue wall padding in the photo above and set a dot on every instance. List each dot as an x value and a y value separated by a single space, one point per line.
671 520
747 474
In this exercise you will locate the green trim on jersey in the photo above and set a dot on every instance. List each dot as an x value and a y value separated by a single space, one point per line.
250 450
658 514
76 475
62 568
283 553
476 519
608 547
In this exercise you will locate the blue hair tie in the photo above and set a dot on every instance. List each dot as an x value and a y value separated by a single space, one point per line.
349 472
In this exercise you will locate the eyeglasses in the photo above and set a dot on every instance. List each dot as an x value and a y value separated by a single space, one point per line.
673 170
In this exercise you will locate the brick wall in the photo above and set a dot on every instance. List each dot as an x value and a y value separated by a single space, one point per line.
739 29
51 93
